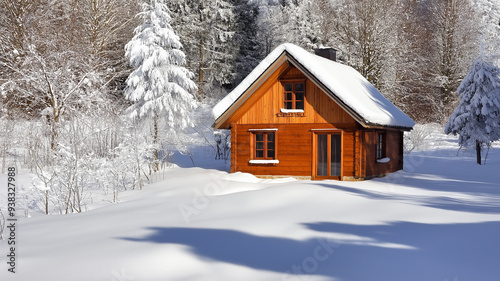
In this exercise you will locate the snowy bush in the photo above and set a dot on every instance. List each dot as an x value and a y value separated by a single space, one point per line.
94 156
98 157
65 179
223 142
132 157
418 138
204 136
7 140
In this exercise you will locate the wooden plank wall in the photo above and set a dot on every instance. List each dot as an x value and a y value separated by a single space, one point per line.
318 107
294 142
234 151
359 166
295 151
348 153
393 151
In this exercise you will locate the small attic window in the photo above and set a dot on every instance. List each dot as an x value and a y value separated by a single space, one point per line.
293 96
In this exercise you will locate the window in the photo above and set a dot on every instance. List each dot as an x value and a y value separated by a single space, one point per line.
264 145
380 145
294 93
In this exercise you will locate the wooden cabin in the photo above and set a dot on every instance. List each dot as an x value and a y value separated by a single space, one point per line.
305 115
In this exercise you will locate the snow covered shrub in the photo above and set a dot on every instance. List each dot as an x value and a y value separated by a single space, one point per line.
72 170
132 157
223 142
36 144
417 139
95 156
201 140
7 140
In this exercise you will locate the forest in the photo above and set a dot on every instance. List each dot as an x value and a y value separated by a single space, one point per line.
64 70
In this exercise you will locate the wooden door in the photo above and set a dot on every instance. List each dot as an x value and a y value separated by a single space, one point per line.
328 158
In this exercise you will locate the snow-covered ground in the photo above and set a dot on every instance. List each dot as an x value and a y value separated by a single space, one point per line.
439 219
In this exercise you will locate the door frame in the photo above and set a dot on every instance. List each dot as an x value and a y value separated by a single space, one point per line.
329 132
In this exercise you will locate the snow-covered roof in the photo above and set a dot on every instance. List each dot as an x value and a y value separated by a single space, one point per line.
342 83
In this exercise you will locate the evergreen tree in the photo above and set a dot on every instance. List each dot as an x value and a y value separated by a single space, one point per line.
160 83
251 50
207 29
477 118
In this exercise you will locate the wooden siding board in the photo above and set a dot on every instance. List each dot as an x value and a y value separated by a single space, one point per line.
234 147
357 170
294 150
266 105
393 141
348 154
249 104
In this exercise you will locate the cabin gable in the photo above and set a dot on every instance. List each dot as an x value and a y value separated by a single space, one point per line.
268 104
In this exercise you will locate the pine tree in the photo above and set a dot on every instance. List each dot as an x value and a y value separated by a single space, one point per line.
245 38
477 118
160 84
207 29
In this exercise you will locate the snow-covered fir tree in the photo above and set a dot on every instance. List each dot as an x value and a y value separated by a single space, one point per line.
477 118
160 86
251 50
207 29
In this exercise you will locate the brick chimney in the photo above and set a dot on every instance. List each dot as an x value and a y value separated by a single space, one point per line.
326 52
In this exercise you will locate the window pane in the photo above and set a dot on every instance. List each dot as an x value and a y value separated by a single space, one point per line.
299 96
322 156
270 145
270 137
336 152
259 137
380 146
299 105
299 87
259 145
259 154
289 96
288 87
270 153
288 105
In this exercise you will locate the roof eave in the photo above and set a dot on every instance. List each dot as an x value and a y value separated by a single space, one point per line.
388 127
222 119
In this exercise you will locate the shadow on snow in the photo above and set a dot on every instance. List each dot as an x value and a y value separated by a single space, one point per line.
454 185
397 251
468 251
485 203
